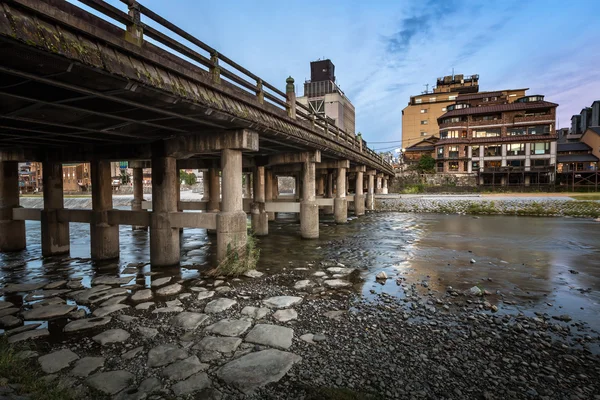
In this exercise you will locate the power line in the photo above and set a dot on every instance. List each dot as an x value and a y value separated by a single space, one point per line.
393 141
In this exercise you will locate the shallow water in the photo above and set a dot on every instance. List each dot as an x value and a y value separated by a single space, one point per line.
521 260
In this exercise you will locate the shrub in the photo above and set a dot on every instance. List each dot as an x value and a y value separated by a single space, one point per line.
239 260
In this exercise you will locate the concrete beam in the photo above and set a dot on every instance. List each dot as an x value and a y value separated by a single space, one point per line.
27 214
358 168
295 158
287 169
334 164
194 220
139 164
371 172
283 206
183 146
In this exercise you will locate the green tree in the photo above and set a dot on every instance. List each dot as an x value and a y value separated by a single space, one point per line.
188 179
426 164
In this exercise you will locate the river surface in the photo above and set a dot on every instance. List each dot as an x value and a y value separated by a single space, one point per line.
548 265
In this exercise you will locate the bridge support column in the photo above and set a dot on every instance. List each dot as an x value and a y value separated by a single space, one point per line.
321 185
359 197
247 193
378 185
55 234
12 233
309 209
329 193
104 238
205 188
231 221
371 192
214 190
164 239
138 194
384 190
340 204
259 217
269 187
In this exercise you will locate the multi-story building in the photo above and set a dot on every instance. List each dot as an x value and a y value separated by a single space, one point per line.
419 117
76 177
323 96
504 139
426 146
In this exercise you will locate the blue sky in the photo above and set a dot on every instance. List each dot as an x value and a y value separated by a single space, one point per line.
385 51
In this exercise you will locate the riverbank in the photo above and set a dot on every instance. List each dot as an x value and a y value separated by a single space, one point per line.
494 205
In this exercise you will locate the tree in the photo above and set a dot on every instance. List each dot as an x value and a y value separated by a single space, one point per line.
124 177
188 179
426 164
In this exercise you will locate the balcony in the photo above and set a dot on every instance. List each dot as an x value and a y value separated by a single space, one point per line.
461 124
534 118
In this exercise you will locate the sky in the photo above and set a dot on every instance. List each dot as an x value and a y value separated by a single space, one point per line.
384 51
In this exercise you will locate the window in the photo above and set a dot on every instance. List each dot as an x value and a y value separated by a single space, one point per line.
423 133
465 166
452 97
423 111
486 99
418 101
424 122
440 152
538 130
540 163
492 164
444 109
453 119
516 163
453 134
453 152
492 150
494 98
453 166
475 166
432 99
440 167
540 148
515 149
517 131
493 117
475 151
486 133
317 106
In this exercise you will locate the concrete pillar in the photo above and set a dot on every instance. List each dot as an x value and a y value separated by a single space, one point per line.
164 239
329 193
321 185
231 221
359 197
247 181
309 209
527 180
298 189
104 238
269 187
214 190
205 185
378 185
258 215
371 193
178 192
12 233
138 194
384 190
340 204
55 234
503 180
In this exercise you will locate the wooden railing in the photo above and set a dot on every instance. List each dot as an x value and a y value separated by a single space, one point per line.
222 67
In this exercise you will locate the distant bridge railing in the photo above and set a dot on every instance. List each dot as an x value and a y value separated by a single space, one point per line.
137 31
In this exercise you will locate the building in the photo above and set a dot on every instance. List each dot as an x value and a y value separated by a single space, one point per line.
591 137
426 146
576 157
325 98
419 117
504 139
30 177
76 177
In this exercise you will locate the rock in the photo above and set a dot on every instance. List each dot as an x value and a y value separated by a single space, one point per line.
111 336
169 290
271 335
77 314
319 337
303 284
192 384
127 318
308 338
54 362
184 296
110 382
336 283
132 353
282 301
184 369
74 284
319 274
223 289
340 270
24 328
28 335
253 274
219 305
381 276
26 354
285 315
144 306
22 287
563 317
220 344
55 285
161 281
188 320
255 370
174 303
87 323
148 333
48 302
6 304
142 295
473 261
229 327
9 321
337 314
113 301
205 295
111 280
218 282
98 294
255 312
165 354
87 365
474 291
8 311
167 310
104 311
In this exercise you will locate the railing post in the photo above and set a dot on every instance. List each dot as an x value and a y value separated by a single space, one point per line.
135 33
337 131
360 141
260 93
290 94
313 118
214 69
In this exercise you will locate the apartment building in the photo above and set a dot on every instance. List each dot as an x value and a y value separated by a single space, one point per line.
504 138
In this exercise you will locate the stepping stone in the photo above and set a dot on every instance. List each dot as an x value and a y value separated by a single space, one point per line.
184 369
144 306
223 289
82 296
75 284
104 311
336 283
111 336
253 274
22 287
218 283
5 304
146 388
319 274
9 311
142 295
219 305
88 323
184 296
229 327
26 354
9 321
132 353
282 301
45 294
340 270
167 310
165 354
113 301
28 335
192 384
111 280
198 289
188 320
303 284
87 365
255 312
111 382
169 290
285 315
336 314
257 369
173 303
308 338
24 328
161 281
55 285
48 302
54 362
220 344
127 318
102 295
271 335
205 294
148 333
